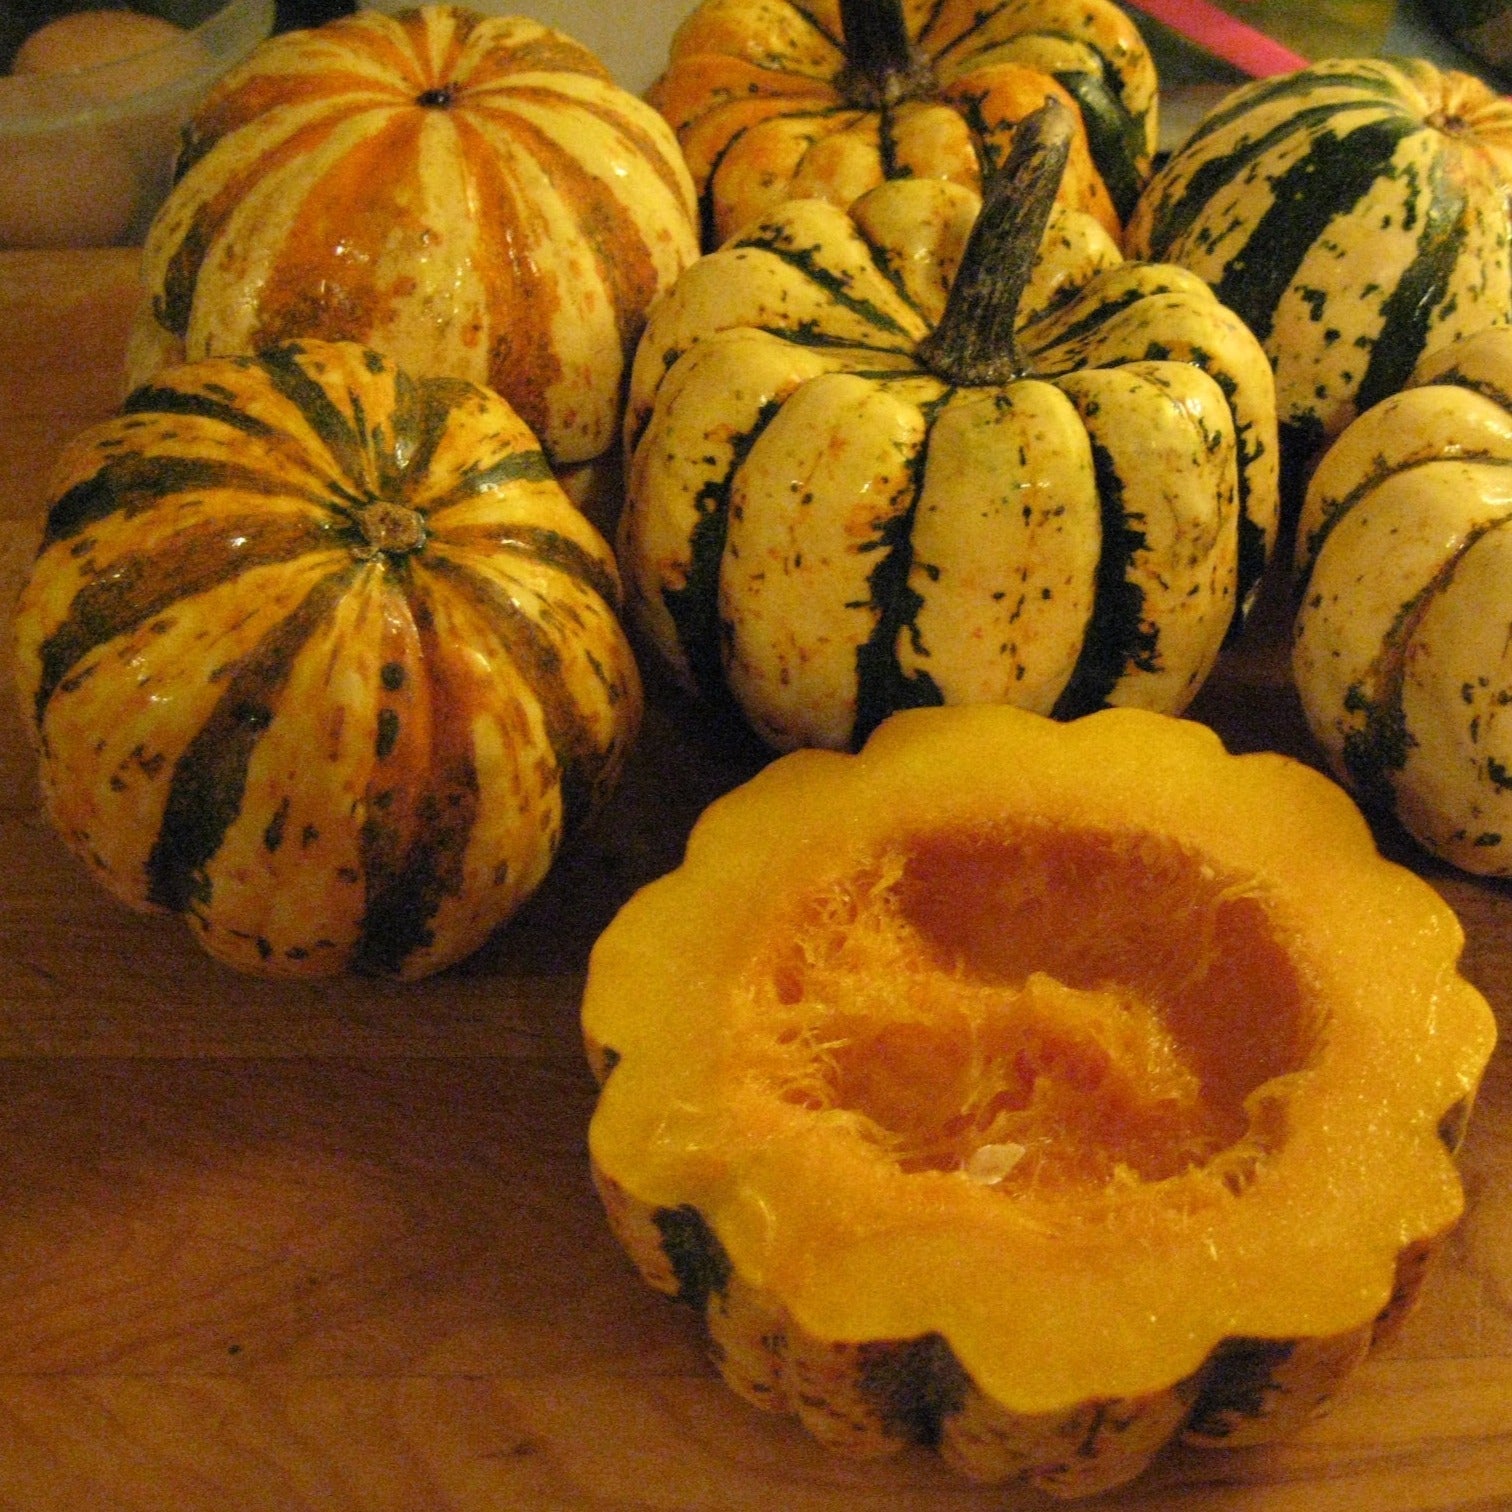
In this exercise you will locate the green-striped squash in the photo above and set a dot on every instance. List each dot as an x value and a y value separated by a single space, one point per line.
1354 214
322 658
854 488
1401 655
472 195
787 99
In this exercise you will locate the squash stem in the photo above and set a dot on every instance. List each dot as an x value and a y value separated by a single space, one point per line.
389 529
975 342
882 66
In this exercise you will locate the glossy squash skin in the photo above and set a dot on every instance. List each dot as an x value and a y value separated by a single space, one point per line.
774 100
472 195
1355 214
1040 1092
322 658
1404 555
836 506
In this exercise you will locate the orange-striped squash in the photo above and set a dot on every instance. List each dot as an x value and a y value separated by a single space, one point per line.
473 196
322 658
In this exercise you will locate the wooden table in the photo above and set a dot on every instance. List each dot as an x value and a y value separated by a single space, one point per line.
333 1247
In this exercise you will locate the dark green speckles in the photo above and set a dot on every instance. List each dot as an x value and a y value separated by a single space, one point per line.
1117 634
209 779
912 1385
1238 1385
1419 295
1316 301
1346 166
388 733
696 1256
1379 743
694 607
273 833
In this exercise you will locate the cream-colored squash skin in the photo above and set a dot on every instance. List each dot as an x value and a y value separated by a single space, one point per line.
1401 653
777 396
1408 167
885 1306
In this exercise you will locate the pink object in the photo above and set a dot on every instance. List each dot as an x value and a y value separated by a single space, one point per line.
1217 32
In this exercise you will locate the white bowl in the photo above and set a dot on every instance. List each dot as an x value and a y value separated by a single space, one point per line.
88 151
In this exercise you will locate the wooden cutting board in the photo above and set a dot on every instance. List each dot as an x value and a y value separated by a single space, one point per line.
333 1247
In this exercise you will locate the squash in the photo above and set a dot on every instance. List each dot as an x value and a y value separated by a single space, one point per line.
850 491
471 195
774 100
1400 651
1355 214
321 657
1039 1092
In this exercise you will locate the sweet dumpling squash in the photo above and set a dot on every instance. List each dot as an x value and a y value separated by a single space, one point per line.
1355 214
322 658
472 195
913 453
774 100
1401 655
1042 1092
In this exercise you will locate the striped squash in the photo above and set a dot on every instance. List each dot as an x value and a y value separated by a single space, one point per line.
1401 655
1354 214
322 658
782 99
472 195
851 491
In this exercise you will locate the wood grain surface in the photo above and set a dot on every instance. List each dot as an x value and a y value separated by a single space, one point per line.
271 1248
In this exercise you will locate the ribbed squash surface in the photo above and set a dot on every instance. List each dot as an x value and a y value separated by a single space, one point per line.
472 195
822 524
1354 213
1040 1092
773 100
322 658
1401 655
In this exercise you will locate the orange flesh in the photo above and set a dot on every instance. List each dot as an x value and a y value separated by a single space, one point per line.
1042 1010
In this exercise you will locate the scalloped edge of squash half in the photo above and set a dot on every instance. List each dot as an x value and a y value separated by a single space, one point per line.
1039 1092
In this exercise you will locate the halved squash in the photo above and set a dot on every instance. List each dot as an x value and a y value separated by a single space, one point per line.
1039 1091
